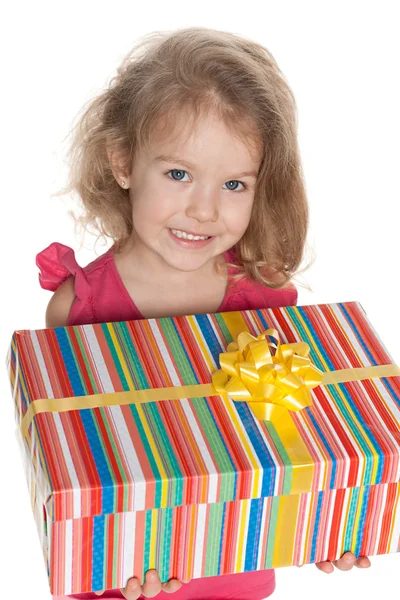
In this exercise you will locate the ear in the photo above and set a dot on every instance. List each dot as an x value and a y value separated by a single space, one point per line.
119 166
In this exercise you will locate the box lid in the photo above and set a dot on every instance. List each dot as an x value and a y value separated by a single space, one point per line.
113 459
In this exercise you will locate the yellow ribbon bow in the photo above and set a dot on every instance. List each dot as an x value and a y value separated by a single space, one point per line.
251 373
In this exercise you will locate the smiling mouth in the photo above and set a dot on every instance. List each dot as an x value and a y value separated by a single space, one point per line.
183 235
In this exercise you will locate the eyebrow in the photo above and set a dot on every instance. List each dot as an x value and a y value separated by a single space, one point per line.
175 159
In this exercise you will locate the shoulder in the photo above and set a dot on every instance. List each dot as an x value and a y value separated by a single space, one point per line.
286 296
60 304
247 294
244 290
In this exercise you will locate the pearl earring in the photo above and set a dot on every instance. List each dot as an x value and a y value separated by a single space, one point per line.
123 183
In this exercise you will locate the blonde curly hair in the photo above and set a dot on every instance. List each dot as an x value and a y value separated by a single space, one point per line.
199 70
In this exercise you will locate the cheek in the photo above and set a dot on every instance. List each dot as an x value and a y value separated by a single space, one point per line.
237 219
153 210
153 200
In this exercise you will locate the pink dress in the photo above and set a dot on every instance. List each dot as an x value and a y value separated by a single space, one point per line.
100 297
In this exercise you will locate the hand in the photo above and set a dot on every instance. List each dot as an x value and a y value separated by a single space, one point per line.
151 587
345 563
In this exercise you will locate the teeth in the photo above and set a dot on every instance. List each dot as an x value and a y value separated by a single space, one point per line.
188 236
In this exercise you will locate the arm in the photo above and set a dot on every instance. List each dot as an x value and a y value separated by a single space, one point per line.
60 304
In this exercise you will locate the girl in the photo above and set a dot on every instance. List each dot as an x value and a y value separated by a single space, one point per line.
189 162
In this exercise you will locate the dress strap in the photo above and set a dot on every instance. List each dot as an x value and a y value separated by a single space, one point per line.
56 263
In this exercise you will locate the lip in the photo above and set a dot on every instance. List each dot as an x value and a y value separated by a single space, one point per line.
189 244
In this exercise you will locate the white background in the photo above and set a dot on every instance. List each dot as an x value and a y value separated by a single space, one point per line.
342 62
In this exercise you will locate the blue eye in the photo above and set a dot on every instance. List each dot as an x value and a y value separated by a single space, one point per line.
235 181
180 174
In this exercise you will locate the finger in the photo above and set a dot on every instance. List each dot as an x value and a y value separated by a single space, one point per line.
171 586
346 562
133 589
363 562
99 593
152 584
325 567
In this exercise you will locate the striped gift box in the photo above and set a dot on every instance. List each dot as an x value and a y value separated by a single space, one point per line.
198 486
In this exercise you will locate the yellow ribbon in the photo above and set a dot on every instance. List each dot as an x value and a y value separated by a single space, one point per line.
250 372
295 399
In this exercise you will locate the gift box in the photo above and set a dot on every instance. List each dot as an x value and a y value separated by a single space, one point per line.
208 444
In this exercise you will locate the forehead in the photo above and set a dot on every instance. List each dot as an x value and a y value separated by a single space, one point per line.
208 133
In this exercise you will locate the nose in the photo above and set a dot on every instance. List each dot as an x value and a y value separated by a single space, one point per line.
203 205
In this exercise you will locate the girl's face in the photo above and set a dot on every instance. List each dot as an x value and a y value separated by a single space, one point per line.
192 196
